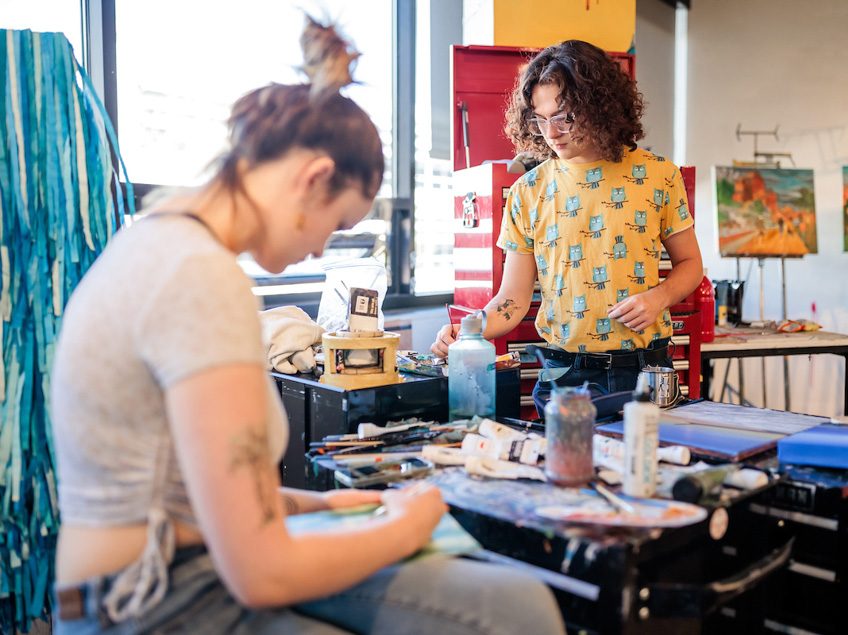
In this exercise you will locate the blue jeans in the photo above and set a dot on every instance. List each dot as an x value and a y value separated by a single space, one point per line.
431 594
601 382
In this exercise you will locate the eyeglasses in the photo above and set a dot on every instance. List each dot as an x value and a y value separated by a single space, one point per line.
540 126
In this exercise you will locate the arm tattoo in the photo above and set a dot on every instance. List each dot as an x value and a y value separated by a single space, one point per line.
507 308
250 449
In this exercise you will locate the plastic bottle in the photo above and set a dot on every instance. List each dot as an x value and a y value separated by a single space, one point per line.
641 423
471 372
569 424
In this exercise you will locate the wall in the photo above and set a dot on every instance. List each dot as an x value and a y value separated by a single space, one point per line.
540 23
444 28
655 73
762 63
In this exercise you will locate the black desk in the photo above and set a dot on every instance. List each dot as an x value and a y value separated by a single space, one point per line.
747 344
317 410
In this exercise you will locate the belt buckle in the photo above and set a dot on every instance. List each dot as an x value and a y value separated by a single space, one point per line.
71 603
607 357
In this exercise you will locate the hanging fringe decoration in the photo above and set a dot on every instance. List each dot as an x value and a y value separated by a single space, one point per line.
60 202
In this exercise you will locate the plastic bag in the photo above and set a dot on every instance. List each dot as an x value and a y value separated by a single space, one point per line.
366 273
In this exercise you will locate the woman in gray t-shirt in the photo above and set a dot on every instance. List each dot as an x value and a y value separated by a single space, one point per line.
168 432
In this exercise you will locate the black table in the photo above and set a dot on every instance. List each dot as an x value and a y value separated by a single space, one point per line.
317 410
613 580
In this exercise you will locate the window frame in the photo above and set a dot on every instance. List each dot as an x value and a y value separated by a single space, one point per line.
100 60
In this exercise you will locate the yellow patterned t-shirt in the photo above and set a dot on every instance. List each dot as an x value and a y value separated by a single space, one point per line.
595 230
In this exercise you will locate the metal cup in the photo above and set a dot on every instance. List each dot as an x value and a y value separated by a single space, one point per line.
665 389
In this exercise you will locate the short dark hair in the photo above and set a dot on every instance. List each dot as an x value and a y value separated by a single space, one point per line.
268 122
606 105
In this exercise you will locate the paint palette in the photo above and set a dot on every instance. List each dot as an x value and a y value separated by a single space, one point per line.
649 513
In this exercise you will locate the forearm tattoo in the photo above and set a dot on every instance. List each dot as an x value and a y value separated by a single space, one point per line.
250 449
507 308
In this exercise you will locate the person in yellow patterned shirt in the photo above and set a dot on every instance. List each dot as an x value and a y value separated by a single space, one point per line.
589 224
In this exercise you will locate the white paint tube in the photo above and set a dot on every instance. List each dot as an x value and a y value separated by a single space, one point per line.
369 430
608 447
746 478
494 468
443 456
519 450
499 432
494 430
475 445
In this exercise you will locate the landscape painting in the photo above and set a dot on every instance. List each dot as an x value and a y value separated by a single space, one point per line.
765 212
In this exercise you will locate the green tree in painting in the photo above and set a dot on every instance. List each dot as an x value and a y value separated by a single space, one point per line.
724 192
805 200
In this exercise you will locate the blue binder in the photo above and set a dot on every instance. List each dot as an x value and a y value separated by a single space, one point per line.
823 446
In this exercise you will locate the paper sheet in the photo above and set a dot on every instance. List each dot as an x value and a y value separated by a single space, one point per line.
731 416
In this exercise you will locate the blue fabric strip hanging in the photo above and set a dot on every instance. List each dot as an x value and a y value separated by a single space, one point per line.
58 209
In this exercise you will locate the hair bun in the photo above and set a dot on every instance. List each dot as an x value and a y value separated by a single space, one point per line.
327 57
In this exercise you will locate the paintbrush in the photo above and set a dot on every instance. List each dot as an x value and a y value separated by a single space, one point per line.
345 444
615 501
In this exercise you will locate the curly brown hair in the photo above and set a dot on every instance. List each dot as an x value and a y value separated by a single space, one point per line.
606 105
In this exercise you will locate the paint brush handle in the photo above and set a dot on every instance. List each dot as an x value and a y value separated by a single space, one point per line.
618 503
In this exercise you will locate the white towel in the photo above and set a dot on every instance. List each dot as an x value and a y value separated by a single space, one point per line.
289 334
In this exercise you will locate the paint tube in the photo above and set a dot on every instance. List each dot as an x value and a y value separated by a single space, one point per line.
443 456
692 486
369 430
475 445
613 448
494 430
520 450
746 478
494 468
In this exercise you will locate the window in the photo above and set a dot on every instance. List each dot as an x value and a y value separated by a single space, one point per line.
177 78
181 65
171 70
64 16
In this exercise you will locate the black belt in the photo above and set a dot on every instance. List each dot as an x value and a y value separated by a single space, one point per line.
604 361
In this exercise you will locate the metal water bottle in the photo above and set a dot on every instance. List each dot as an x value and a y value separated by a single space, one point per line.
471 372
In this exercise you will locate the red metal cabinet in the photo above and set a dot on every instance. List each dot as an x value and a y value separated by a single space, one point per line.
479 195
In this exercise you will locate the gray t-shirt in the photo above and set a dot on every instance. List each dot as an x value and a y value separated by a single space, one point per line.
164 301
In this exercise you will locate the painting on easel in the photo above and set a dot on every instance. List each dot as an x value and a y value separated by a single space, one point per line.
845 207
765 212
